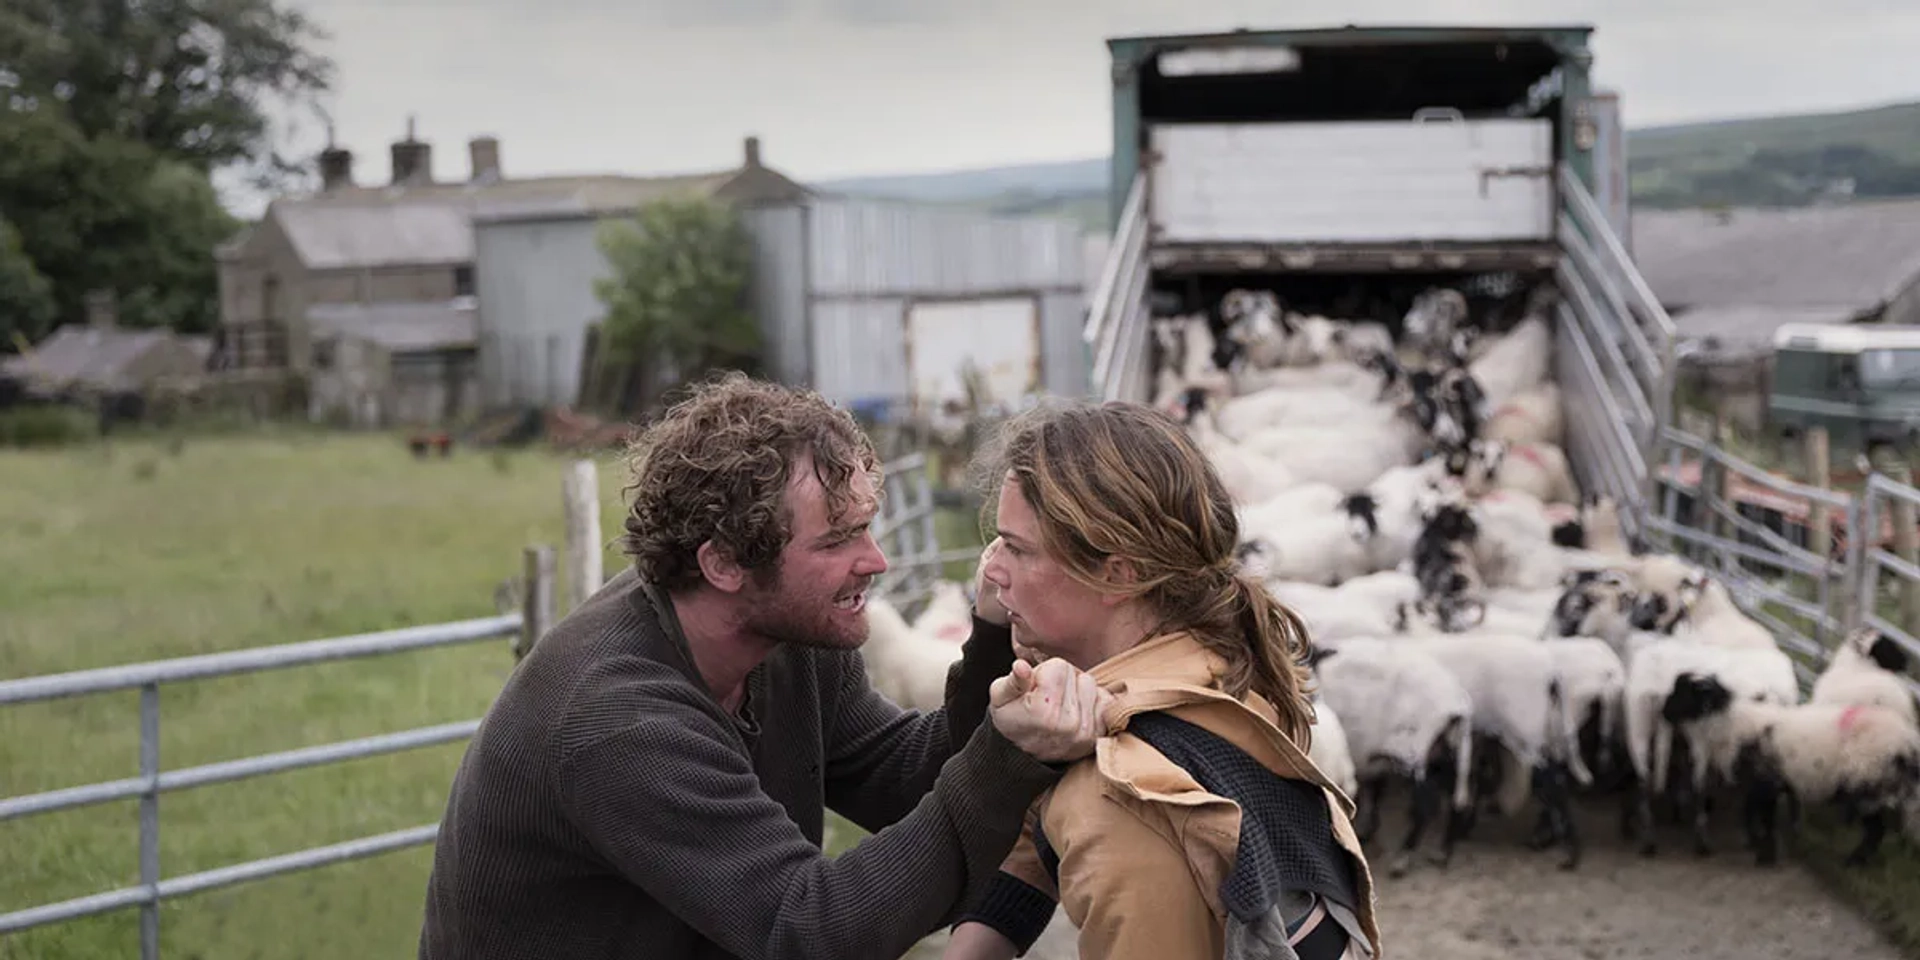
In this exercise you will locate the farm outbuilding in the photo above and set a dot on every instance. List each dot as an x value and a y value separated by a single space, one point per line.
1731 278
875 303
391 364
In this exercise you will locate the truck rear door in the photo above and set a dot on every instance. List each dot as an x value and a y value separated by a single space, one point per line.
1436 177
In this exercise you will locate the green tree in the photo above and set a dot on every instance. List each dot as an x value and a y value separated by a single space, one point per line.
677 297
105 212
194 80
26 299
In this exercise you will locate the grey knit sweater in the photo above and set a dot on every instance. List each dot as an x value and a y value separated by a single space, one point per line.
608 807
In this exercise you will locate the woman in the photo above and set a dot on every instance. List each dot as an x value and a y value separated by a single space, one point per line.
1199 828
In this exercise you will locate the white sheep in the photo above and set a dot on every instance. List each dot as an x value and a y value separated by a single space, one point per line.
948 615
1266 335
1300 498
1365 378
1600 529
1248 475
1402 711
1654 663
1328 748
1355 340
1431 321
1593 681
1596 604
1513 543
1395 505
906 666
1245 416
1866 669
1865 758
1332 613
1533 415
1519 702
1325 547
1537 469
1700 607
1349 455
1517 362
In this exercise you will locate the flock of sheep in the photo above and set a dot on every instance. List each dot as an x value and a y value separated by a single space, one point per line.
1479 627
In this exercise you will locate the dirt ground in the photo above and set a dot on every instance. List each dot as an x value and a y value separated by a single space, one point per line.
1500 901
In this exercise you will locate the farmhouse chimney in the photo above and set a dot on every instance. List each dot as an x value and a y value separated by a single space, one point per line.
100 309
484 153
753 152
412 159
336 168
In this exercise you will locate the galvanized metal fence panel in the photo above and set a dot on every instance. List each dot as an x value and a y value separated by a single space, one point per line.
1884 501
908 531
1117 316
1613 358
1800 592
152 781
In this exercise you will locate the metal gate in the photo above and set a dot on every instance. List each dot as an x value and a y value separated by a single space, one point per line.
906 530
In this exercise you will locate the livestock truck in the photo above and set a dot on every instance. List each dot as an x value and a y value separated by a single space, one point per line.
1349 169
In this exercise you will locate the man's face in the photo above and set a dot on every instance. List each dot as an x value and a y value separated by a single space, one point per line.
817 591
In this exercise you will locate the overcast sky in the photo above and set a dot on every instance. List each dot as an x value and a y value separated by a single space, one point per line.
845 87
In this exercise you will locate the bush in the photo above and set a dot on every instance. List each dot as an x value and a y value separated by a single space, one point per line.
51 426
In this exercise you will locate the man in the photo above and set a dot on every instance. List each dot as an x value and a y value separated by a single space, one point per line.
651 780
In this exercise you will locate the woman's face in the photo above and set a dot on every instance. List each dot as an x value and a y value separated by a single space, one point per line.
1051 612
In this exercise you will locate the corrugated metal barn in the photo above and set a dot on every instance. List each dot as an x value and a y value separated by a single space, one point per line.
871 302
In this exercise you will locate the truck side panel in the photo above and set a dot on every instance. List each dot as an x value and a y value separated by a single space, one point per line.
1353 182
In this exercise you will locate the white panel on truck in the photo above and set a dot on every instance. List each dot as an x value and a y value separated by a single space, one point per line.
1353 182
999 336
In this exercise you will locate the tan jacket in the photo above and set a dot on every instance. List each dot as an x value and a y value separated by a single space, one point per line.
1142 847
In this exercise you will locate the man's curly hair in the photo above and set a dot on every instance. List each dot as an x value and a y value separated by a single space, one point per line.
716 465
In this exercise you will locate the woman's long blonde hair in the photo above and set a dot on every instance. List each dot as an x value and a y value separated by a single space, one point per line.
1122 480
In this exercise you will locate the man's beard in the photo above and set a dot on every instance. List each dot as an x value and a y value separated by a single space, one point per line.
803 619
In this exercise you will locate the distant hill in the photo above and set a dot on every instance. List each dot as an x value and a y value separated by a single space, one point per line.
1075 189
1070 177
1783 160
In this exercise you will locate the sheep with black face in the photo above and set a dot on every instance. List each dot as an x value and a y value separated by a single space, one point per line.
1864 759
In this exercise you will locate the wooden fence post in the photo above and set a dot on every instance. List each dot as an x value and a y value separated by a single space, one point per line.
536 600
1819 463
581 491
1716 477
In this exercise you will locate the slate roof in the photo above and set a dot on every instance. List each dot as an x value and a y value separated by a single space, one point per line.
1852 255
93 356
333 236
432 224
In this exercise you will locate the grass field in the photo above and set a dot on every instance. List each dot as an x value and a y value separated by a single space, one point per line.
132 551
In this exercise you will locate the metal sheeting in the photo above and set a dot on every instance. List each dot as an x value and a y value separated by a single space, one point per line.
1063 351
870 259
833 283
873 247
779 293
535 284
860 350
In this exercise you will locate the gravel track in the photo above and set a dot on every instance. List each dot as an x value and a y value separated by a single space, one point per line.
1500 901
